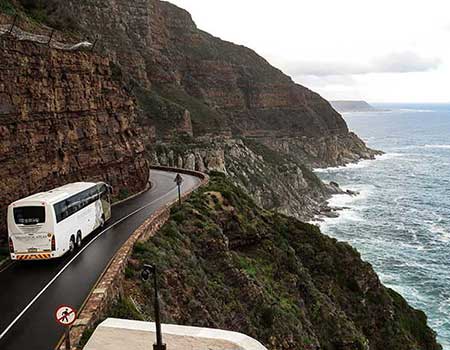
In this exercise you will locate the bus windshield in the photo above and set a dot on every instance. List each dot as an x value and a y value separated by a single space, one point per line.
29 215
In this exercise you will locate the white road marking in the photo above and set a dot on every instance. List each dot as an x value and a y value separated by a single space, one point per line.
73 259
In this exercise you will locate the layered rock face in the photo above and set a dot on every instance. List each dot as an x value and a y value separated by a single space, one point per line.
273 179
64 118
228 89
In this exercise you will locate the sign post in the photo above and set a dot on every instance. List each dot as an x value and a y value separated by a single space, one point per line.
179 180
66 315
145 275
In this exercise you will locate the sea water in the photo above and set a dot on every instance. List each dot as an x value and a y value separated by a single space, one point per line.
400 222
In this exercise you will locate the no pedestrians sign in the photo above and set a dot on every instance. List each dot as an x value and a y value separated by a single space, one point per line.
65 315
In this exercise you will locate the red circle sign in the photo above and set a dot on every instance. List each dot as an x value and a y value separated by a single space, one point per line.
65 315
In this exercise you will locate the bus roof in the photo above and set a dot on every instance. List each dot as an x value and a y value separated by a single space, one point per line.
57 194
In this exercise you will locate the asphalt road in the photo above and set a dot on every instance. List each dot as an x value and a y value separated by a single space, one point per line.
31 291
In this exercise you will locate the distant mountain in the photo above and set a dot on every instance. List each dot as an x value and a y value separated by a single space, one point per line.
353 106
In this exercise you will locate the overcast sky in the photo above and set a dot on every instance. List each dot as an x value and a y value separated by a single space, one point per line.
379 51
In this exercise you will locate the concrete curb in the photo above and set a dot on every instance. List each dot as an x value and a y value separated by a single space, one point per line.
108 286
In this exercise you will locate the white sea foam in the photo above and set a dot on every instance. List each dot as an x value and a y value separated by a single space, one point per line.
438 146
352 210
409 292
361 164
440 232
409 110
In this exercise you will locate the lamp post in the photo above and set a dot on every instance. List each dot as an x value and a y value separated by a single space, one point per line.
145 275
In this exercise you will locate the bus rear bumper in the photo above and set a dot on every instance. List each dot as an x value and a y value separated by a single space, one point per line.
33 256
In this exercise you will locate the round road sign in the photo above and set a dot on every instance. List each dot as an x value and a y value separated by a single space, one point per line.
65 315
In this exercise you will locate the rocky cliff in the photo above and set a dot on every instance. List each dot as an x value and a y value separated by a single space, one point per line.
227 89
214 99
274 180
64 118
225 263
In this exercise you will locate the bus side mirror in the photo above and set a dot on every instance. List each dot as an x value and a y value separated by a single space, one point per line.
110 189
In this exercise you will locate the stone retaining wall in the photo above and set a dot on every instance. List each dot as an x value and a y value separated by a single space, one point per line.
108 287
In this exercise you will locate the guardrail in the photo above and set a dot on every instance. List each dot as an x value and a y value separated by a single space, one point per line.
108 286
13 31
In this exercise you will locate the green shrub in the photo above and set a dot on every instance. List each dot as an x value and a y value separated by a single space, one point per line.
267 316
124 193
7 8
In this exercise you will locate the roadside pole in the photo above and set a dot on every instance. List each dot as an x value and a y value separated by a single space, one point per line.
179 180
145 275
67 338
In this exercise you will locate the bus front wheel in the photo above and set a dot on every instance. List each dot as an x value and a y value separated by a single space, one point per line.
79 239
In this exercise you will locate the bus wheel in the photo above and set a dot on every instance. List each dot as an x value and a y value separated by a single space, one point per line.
78 242
72 244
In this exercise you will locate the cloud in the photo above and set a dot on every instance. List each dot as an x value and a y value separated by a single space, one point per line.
325 81
396 62
405 62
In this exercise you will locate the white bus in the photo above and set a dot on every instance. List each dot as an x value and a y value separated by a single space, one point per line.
50 224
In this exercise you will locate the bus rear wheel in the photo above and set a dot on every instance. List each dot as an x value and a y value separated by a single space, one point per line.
79 239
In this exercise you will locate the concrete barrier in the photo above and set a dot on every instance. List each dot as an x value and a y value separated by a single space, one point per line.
108 287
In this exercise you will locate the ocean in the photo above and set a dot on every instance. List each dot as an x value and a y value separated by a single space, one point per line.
400 222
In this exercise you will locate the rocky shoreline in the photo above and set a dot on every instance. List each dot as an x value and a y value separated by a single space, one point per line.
325 210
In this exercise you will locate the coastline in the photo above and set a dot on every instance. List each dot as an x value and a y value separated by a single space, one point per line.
339 203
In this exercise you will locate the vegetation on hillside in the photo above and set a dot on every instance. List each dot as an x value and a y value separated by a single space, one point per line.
227 263
48 12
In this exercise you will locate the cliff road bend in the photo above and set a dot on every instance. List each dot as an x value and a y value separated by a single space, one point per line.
31 291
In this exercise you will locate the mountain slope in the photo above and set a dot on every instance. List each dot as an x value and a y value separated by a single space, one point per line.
226 263
226 89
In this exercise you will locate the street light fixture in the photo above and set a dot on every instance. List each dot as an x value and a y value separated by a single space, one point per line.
145 275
